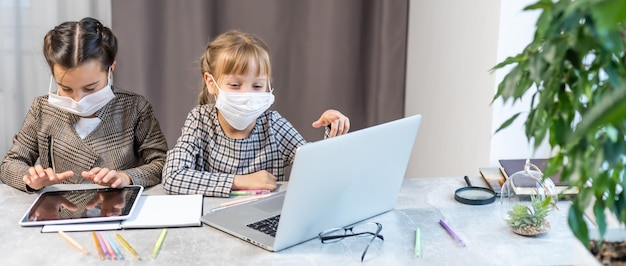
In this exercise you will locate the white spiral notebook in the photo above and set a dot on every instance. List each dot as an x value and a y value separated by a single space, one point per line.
153 211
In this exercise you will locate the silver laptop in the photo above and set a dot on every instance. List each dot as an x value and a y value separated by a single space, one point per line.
333 183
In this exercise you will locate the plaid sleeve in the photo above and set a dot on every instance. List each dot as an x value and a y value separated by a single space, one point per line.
152 147
183 173
24 151
289 138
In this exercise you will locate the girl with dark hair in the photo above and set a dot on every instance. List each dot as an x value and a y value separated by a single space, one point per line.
85 130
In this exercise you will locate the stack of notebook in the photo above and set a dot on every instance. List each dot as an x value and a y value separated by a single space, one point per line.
155 211
496 176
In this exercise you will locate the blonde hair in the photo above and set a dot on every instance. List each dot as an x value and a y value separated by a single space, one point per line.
233 52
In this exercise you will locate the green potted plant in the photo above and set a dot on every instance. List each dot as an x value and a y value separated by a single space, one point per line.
575 70
531 220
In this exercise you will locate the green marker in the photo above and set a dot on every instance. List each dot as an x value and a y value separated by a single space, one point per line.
417 242
159 243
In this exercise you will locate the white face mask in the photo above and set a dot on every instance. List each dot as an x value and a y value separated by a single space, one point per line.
240 109
86 106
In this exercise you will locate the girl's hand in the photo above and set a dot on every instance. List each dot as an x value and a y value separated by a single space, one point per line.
339 123
258 180
38 177
107 177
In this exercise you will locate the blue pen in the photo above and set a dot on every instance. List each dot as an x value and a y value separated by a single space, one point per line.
114 247
218 208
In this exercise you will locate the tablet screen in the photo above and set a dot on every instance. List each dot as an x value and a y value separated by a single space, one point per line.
82 205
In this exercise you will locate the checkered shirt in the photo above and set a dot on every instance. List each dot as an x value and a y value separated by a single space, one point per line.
205 160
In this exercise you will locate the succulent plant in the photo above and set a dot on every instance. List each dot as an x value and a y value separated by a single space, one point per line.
531 220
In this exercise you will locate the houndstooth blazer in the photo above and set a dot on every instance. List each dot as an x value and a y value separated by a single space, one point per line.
127 139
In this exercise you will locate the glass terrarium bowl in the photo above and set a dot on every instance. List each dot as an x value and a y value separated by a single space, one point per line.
527 200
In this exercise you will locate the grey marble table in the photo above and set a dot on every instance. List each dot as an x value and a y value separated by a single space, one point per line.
422 203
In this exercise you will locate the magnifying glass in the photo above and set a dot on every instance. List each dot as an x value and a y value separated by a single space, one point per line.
474 195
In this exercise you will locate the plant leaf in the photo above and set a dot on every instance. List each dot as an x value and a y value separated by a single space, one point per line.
598 211
609 14
610 109
508 122
578 225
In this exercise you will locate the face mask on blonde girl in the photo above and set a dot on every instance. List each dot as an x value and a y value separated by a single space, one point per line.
243 99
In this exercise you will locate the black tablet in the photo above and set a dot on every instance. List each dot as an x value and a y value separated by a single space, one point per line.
82 205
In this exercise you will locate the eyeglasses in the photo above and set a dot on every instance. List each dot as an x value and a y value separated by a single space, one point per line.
364 230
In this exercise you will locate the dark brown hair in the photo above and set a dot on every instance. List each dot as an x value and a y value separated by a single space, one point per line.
73 43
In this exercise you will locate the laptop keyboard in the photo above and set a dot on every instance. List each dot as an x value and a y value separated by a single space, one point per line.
267 226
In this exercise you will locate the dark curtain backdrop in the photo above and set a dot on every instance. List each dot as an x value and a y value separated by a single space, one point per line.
348 55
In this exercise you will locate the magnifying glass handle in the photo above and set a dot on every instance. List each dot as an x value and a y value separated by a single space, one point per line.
467 181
